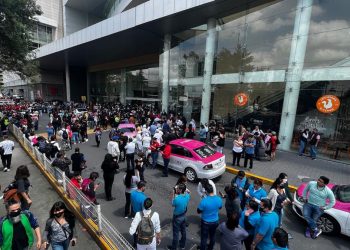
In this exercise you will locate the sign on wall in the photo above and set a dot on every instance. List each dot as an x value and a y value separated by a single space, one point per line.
240 99
328 104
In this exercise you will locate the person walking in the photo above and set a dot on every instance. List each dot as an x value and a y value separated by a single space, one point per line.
22 183
17 228
231 234
130 182
314 140
130 154
146 227
6 149
180 202
209 209
62 163
109 168
267 225
237 150
113 148
59 228
154 151
303 141
316 195
166 158
249 146
89 187
98 135
78 161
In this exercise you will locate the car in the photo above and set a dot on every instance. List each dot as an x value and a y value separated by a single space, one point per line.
80 111
129 129
335 220
195 159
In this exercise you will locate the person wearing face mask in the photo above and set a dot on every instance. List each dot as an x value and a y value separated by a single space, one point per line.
256 192
267 225
59 229
278 197
249 220
315 196
284 177
16 228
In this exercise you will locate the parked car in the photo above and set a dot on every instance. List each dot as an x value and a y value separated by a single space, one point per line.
80 111
335 220
195 159
129 129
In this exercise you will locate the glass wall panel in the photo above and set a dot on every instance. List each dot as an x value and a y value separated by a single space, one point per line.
263 108
105 86
334 128
187 57
329 35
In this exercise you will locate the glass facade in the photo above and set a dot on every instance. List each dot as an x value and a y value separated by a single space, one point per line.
41 35
105 86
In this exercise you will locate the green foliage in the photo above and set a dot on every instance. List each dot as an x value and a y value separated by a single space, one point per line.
17 19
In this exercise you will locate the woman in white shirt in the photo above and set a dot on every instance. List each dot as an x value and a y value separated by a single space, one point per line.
201 187
278 197
237 149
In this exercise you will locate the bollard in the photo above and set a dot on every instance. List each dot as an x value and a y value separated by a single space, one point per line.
99 218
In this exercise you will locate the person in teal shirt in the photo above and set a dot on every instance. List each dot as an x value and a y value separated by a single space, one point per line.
280 239
250 219
268 224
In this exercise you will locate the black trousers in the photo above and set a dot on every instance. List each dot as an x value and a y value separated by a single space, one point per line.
130 160
236 156
250 158
6 161
109 179
128 205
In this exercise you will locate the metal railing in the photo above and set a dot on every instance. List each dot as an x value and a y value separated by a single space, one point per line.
89 211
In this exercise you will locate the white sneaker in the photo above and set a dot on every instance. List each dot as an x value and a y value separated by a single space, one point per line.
5 169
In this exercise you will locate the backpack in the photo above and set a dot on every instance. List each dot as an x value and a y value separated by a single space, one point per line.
10 192
145 230
65 134
50 150
85 187
42 146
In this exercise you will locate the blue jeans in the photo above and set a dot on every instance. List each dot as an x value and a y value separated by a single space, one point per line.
154 156
311 214
63 245
302 147
208 229
313 151
179 225
166 163
75 137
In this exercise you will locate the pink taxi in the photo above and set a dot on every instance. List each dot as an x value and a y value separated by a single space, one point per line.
129 129
195 159
335 220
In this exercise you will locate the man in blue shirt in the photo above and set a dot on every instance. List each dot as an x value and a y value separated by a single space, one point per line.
250 219
180 202
266 227
249 146
280 239
209 208
138 197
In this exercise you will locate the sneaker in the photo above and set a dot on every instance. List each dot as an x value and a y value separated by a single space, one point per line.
307 233
5 169
316 233
169 247
126 217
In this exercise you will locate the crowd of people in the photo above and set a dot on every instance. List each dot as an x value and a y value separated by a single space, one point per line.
253 215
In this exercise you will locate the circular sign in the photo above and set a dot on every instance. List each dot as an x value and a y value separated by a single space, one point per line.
328 104
240 99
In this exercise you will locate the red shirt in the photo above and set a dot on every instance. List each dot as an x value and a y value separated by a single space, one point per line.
167 152
154 146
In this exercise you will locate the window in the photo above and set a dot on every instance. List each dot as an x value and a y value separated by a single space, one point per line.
41 35
205 151
180 151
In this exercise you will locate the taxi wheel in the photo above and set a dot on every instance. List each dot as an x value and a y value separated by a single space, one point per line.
190 174
328 225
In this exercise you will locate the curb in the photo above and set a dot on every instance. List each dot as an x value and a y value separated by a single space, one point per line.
73 206
265 180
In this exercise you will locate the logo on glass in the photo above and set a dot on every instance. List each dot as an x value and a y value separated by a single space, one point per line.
240 99
328 104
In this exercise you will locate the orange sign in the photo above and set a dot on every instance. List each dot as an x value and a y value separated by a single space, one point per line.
240 99
328 104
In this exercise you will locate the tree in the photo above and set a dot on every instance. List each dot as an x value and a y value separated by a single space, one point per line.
17 19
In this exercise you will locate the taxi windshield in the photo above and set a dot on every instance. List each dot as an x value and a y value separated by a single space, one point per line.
204 151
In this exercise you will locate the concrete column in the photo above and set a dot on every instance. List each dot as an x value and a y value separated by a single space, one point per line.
123 87
87 87
208 69
294 72
165 79
67 78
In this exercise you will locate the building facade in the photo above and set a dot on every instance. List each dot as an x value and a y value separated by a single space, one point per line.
196 56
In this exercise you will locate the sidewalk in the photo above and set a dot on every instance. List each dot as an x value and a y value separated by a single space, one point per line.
296 167
42 194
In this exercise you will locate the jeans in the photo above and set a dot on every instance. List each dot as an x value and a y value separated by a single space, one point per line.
130 160
179 225
302 147
311 214
250 158
154 156
208 229
75 137
165 169
63 245
128 205
313 151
